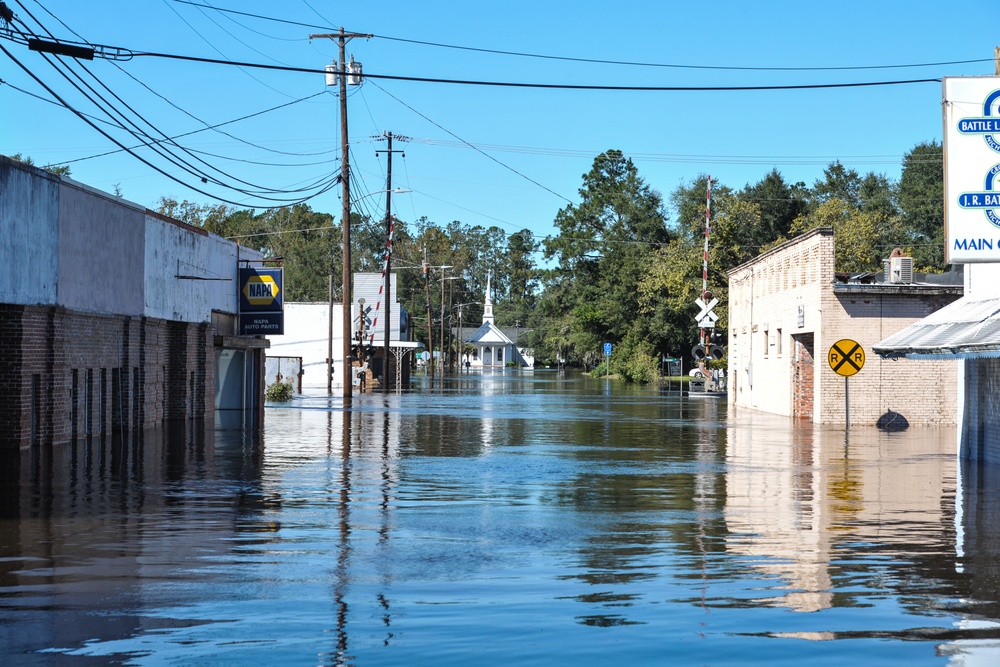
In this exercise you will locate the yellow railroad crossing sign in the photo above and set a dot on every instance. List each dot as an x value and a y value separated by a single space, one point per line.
846 357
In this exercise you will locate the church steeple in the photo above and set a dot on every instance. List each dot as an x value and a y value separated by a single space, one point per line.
488 305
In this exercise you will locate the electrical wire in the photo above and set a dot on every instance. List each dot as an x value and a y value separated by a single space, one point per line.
597 61
131 152
441 127
155 144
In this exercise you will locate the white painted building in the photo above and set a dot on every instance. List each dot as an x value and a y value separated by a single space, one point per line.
492 347
787 310
308 329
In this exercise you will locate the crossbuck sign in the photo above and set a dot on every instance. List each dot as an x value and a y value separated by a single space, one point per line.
706 318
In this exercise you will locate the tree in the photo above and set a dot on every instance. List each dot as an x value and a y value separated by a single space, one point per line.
921 199
603 248
861 237
779 205
840 183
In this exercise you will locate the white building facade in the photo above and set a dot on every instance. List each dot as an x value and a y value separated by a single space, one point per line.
491 346
786 313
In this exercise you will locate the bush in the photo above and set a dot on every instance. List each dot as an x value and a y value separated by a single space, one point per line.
279 392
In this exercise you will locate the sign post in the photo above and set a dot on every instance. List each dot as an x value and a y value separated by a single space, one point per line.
607 357
846 358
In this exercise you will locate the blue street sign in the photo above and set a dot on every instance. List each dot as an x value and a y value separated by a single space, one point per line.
607 349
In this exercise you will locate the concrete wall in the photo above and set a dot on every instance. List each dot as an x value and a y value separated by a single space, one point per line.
189 272
787 297
29 234
101 242
306 335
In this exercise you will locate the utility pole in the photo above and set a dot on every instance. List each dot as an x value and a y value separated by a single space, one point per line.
388 255
430 323
443 348
996 57
342 38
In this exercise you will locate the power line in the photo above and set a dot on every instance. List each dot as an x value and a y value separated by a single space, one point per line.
518 84
439 126
598 61
545 86
159 146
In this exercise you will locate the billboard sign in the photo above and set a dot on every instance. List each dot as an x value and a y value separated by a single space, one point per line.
971 169
261 302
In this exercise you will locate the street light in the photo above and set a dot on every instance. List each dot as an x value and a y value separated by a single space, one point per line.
346 300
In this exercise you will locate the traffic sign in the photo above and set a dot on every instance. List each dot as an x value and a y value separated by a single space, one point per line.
607 349
846 357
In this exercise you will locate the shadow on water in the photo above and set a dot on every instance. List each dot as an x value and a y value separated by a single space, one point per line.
525 518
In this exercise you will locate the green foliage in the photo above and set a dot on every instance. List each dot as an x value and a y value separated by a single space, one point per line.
921 200
603 249
63 170
279 392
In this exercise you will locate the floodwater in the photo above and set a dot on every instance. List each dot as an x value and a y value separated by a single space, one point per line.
515 519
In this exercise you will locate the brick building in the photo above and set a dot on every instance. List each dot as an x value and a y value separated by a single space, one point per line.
112 317
788 307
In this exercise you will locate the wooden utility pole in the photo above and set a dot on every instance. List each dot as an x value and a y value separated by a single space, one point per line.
430 322
996 58
387 284
342 38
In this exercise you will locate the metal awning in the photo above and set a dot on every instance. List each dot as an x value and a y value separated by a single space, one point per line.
965 329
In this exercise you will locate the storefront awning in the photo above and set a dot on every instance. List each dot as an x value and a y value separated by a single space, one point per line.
966 329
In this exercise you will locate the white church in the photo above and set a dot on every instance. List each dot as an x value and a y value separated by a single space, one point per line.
492 346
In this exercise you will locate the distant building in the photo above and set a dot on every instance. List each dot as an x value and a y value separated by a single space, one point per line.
787 309
113 318
492 347
308 327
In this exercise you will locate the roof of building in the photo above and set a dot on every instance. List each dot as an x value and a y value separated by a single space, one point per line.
488 333
969 328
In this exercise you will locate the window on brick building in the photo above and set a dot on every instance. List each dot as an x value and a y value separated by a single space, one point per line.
777 343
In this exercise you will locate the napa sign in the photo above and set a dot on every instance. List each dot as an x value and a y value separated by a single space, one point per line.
261 302
972 169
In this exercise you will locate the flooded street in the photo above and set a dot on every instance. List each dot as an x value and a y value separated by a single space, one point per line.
519 519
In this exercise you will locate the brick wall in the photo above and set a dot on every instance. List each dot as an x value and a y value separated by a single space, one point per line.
66 374
803 404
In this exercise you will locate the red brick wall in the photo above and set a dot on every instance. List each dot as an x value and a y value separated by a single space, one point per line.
804 377
67 374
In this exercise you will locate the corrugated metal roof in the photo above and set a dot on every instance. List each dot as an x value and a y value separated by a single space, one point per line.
966 329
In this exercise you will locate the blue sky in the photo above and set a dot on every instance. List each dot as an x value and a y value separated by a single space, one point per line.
541 141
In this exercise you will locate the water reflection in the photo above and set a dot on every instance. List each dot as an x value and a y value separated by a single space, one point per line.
537 519
808 508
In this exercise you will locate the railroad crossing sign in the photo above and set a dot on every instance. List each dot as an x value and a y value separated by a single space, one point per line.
706 318
846 357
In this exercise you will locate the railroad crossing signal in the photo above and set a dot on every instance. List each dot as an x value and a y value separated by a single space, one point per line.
705 317
846 357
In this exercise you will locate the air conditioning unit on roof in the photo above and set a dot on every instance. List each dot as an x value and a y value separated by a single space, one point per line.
901 270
